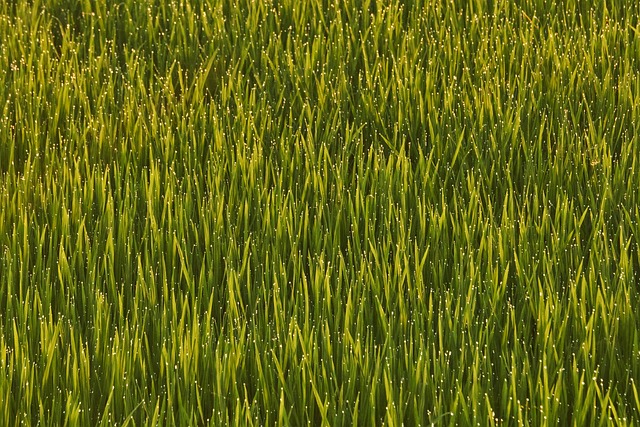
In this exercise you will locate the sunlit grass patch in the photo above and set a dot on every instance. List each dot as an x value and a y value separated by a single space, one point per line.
319 213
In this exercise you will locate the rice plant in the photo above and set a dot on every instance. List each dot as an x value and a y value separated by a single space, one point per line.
319 212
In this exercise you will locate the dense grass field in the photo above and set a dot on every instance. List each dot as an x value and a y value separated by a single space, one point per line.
319 212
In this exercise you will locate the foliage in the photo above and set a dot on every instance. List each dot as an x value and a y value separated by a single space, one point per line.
319 212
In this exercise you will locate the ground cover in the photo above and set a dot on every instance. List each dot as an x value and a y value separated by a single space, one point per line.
319 212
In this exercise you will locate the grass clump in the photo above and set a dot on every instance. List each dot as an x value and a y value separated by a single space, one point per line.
319 213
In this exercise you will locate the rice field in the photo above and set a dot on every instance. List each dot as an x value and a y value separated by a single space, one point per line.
319 212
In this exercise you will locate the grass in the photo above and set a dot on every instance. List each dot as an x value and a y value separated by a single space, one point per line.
319 213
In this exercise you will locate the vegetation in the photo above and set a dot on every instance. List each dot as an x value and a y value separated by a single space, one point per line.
348 212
